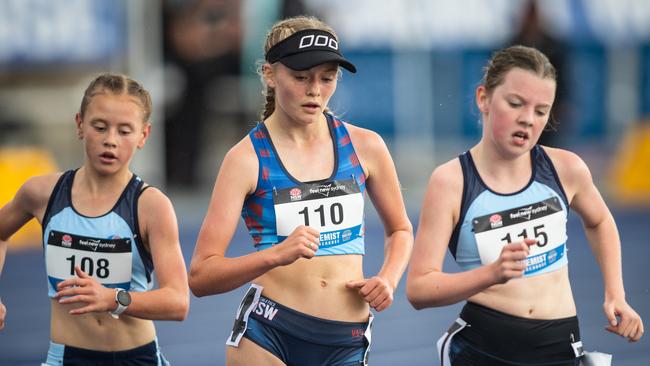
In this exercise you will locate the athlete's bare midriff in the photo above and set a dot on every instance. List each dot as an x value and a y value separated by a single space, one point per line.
547 296
98 331
316 287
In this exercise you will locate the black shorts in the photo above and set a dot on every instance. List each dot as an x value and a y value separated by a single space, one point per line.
496 338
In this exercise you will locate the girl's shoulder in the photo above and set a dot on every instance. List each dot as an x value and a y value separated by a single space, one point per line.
566 162
243 152
42 185
448 175
36 191
571 169
363 138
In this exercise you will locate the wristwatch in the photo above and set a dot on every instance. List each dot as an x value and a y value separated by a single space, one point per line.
123 300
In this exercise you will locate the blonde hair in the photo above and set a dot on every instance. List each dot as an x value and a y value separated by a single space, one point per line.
280 31
117 84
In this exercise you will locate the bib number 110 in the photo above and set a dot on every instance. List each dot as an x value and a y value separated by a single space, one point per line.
335 214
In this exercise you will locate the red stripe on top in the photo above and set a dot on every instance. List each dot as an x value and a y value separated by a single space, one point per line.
252 224
256 208
259 134
344 140
354 160
265 153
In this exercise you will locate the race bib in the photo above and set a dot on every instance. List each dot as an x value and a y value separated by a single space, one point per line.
334 208
544 221
106 260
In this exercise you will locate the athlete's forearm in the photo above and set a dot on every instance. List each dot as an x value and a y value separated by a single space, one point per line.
217 274
438 288
159 304
397 252
3 253
605 244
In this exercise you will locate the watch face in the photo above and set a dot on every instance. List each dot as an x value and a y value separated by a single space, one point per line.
124 298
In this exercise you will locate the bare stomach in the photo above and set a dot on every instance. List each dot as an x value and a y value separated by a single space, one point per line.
98 331
317 287
547 296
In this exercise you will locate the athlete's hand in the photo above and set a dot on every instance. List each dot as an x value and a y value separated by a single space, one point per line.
301 243
85 289
623 320
376 291
3 313
511 262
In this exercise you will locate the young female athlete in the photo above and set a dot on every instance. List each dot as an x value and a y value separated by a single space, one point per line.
501 210
299 181
104 232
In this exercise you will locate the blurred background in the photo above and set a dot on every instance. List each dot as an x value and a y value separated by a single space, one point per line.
419 63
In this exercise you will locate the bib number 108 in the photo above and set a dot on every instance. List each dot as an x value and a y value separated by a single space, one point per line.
335 214
88 265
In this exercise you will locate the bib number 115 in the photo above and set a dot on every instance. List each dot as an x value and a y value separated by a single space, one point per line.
538 232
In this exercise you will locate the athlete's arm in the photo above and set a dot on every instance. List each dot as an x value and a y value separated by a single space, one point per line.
602 234
30 201
427 285
3 308
211 272
159 226
384 191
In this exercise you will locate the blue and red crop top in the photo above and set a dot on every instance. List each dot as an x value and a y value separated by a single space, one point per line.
333 206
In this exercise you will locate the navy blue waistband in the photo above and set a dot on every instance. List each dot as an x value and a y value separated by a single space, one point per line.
88 354
307 327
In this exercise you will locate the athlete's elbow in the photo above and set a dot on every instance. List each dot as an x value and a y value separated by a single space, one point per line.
197 282
196 286
201 287
420 295
199 292
415 301
178 306
179 313
420 302
183 309
413 296
4 237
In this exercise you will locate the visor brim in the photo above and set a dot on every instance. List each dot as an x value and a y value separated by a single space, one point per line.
306 60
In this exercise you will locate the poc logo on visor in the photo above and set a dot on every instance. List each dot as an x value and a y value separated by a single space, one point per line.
320 41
